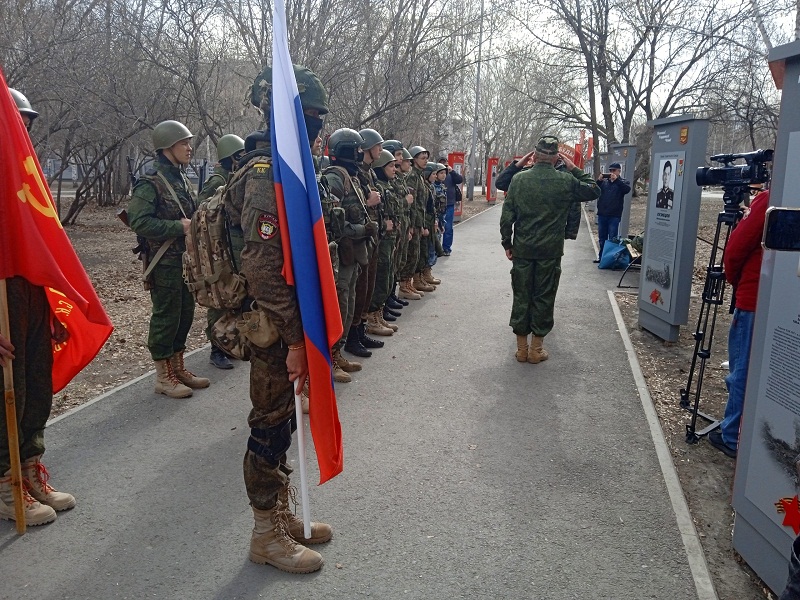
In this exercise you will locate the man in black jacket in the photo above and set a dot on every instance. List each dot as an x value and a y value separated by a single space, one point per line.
452 181
609 206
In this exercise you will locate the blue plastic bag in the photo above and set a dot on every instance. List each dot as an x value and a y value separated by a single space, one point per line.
615 255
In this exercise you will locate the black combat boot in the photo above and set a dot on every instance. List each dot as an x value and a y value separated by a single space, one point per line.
353 344
392 305
395 298
388 315
366 341
394 313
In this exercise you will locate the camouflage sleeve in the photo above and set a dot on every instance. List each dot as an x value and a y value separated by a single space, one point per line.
143 218
335 185
262 258
507 218
210 187
584 187
505 176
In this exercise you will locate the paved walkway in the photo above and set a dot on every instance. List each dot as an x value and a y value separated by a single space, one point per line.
467 474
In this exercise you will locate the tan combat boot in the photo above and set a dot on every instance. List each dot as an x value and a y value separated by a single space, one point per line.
36 513
167 382
522 348
320 532
413 287
407 293
348 366
375 327
421 284
271 544
35 476
536 353
339 374
384 322
185 376
427 275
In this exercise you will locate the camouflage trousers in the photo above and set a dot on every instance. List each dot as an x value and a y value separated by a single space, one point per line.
346 292
412 256
384 278
272 396
425 243
534 284
29 321
173 312
365 286
401 251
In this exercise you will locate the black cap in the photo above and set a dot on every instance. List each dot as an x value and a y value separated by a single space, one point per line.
615 166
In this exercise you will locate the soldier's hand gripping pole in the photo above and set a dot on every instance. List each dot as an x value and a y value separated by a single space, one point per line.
11 417
301 447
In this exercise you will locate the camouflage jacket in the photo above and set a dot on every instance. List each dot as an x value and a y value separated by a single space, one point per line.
536 208
154 214
419 188
392 208
253 206
220 176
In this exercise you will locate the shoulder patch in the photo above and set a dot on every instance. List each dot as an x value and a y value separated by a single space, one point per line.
261 169
267 226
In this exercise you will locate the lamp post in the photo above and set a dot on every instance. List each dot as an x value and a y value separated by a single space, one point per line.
473 166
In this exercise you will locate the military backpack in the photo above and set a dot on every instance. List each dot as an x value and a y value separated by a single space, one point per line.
209 269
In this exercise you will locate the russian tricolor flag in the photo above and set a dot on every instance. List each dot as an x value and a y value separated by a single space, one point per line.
307 263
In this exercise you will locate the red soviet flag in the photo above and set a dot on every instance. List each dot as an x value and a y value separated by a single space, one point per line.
33 245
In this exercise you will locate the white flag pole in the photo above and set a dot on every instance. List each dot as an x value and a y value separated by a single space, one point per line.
301 447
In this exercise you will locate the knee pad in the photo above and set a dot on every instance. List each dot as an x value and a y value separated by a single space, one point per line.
273 442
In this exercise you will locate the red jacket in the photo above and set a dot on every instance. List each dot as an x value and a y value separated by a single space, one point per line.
742 261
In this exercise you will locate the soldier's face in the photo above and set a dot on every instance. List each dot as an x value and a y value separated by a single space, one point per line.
374 152
26 120
421 159
180 153
405 166
665 177
390 169
441 175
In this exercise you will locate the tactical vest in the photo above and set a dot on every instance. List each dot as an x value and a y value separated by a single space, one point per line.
173 203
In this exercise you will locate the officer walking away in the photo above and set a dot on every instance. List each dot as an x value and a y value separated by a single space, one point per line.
230 149
277 536
32 329
610 204
532 234
161 208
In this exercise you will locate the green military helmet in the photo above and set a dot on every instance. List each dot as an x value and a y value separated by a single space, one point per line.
417 150
23 104
406 154
168 133
393 145
345 144
371 138
439 167
228 145
383 159
312 92
429 168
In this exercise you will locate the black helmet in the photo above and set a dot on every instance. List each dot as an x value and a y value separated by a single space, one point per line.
345 144
393 146
371 138
312 92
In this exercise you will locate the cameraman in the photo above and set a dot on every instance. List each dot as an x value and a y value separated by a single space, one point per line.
742 264
609 206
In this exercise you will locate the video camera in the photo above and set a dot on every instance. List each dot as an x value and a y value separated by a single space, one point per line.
753 171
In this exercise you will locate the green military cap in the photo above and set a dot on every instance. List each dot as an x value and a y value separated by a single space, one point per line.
547 145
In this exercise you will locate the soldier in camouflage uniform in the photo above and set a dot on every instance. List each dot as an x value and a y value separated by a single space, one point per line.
403 160
415 181
436 219
385 168
230 148
534 212
252 205
573 224
161 206
341 179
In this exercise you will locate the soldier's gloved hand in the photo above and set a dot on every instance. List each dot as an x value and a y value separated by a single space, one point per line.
371 228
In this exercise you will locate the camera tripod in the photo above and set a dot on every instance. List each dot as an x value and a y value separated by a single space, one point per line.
713 297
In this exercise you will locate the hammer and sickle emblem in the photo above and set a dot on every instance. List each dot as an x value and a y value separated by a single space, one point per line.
45 205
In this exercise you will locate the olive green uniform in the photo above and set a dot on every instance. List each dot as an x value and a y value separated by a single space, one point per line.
416 182
385 274
154 214
534 211
253 206
403 223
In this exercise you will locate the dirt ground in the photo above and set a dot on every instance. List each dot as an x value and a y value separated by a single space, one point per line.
103 244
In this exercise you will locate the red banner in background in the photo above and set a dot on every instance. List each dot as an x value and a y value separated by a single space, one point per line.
491 176
33 245
456 162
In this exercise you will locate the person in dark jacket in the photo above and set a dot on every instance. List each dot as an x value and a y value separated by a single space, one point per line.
451 182
609 206
742 263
